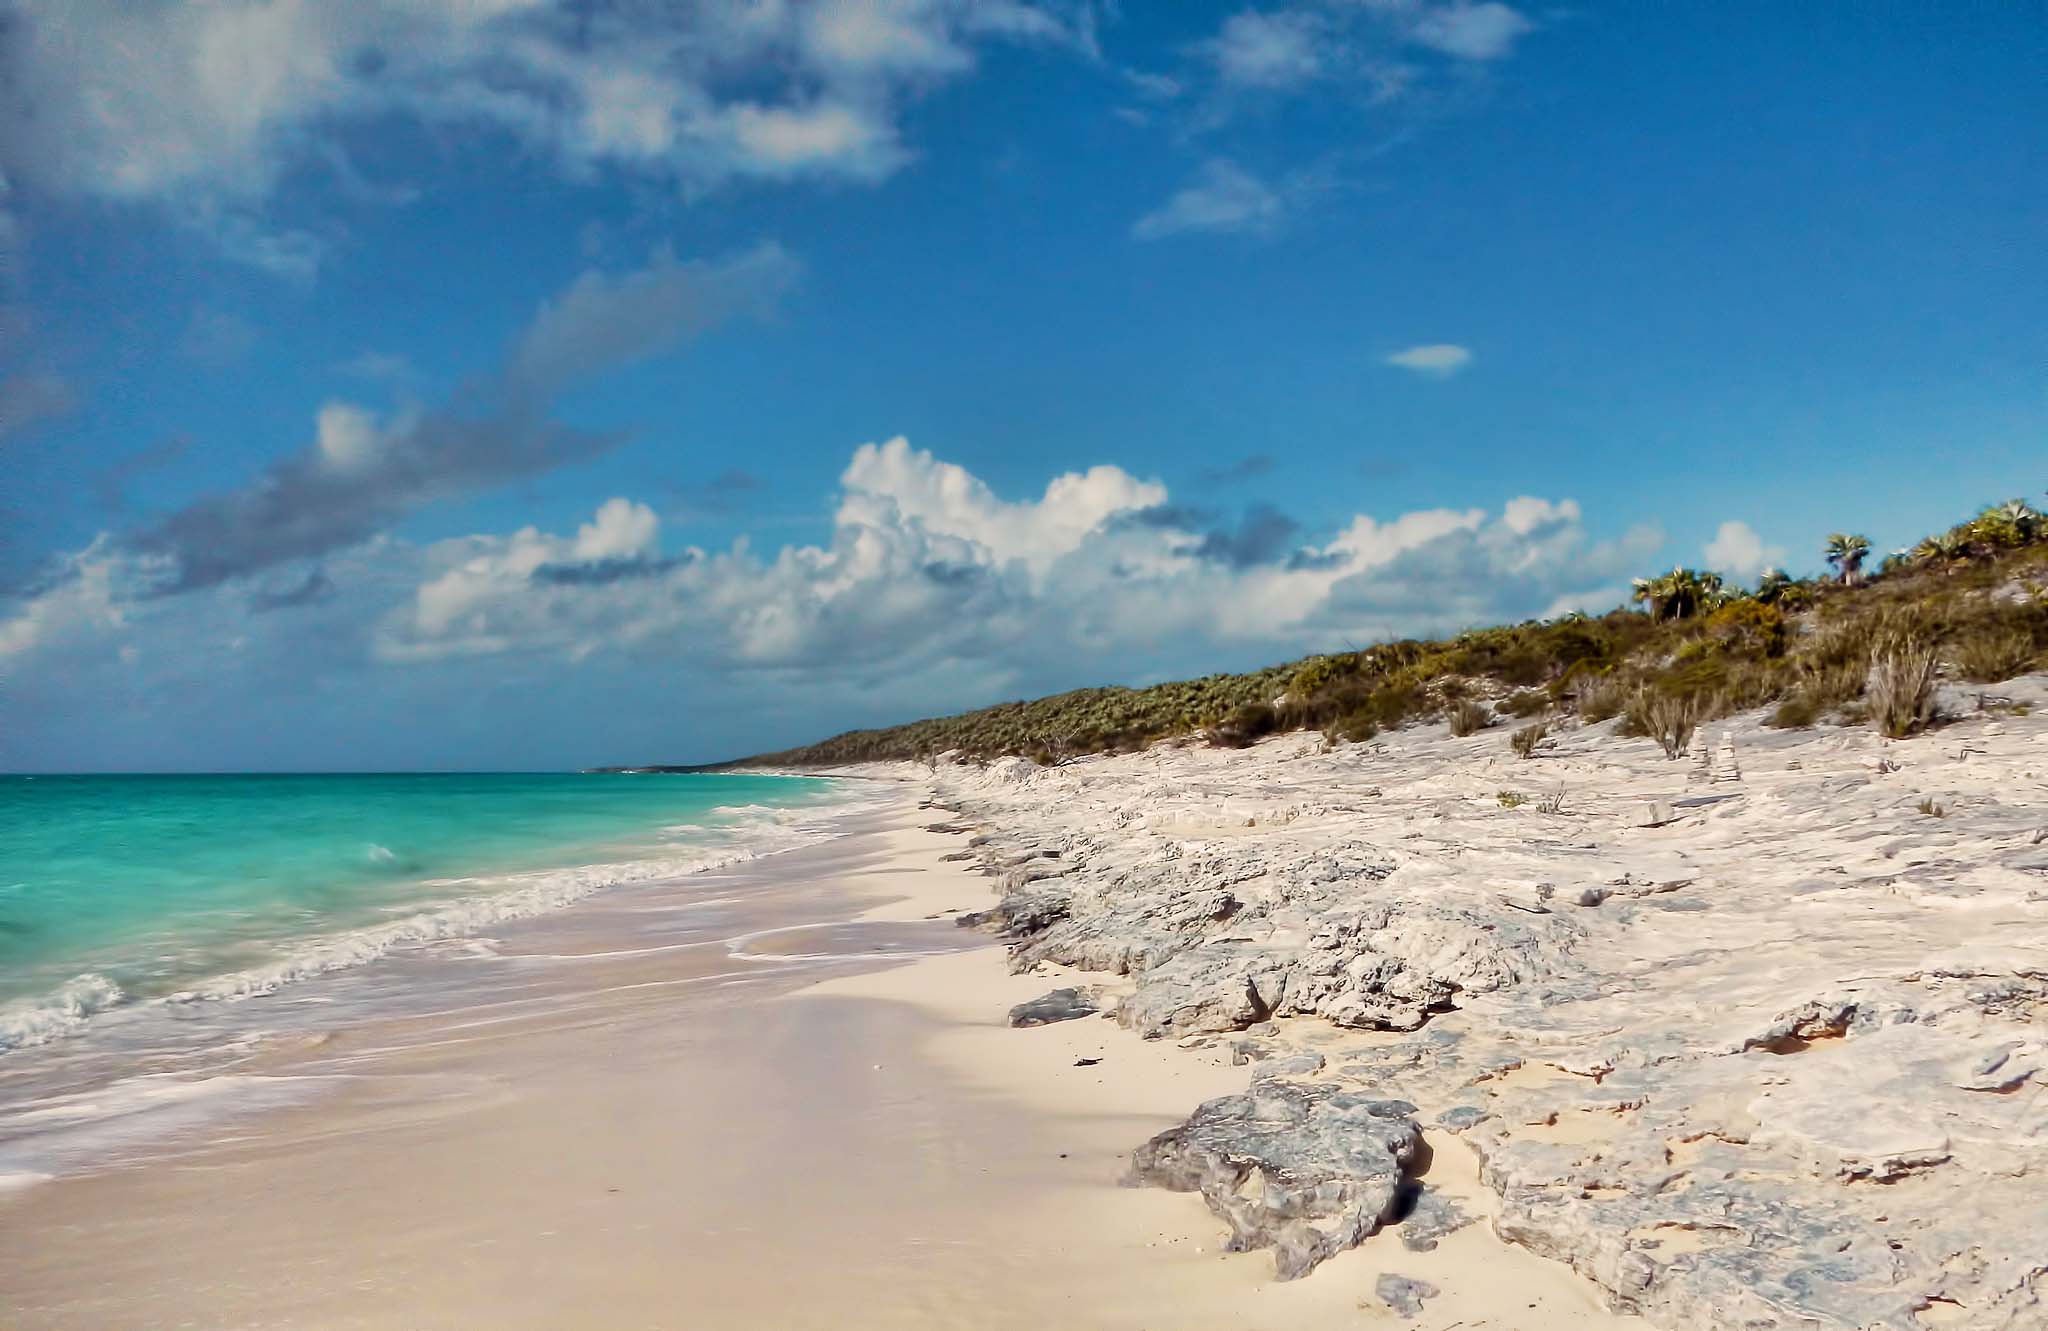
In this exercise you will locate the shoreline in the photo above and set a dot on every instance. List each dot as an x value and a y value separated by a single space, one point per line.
1621 1035
870 1123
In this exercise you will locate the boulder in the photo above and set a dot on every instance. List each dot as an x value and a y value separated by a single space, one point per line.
1308 1170
1059 1005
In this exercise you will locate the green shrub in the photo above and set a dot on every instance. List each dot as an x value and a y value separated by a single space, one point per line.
1989 655
1469 718
1251 721
1600 698
1901 687
1833 685
1358 727
1511 799
1795 713
1748 627
1668 718
1320 672
1524 702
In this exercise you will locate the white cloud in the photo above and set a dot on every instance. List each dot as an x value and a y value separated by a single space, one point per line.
81 597
1738 551
1222 197
1436 358
926 564
1484 31
930 592
1153 87
1255 50
204 107
894 485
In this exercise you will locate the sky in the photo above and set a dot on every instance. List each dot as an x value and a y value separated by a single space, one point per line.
509 384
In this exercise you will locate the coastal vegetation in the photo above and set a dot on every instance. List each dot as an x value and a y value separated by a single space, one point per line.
1856 646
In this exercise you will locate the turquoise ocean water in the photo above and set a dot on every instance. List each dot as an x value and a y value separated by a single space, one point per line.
122 890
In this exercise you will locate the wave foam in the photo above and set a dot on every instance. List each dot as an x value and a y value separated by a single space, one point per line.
537 893
34 1021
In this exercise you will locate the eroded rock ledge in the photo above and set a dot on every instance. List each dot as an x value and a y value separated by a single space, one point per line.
1777 1056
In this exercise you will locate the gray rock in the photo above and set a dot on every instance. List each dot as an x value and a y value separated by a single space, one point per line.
1308 1170
1020 914
1404 1295
1431 1216
1206 992
1059 1005
1293 1065
1458 1118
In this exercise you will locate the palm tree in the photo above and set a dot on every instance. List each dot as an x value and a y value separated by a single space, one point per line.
1846 553
1679 593
1945 549
1650 591
1772 585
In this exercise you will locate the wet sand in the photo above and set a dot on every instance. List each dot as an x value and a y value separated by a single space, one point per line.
726 1104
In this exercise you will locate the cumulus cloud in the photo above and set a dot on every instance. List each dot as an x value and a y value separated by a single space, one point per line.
892 485
1737 550
206 107
362 470
926 564
1441 359
1222 197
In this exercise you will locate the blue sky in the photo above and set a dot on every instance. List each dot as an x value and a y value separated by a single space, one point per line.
513 384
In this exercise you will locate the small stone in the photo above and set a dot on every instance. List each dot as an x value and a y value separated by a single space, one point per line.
1431 1217
1458 1118
1404 1294
1059 1005
1293 1065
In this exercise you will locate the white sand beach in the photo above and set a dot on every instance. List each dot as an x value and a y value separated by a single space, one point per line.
640 1137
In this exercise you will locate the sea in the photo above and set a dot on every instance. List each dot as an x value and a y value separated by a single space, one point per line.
151 925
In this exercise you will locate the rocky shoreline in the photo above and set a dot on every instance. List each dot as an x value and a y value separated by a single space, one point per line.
1755 1041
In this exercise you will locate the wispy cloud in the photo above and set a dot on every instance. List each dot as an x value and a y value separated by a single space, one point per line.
364 470
1258 50
1440 359
1484 31
1222 197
